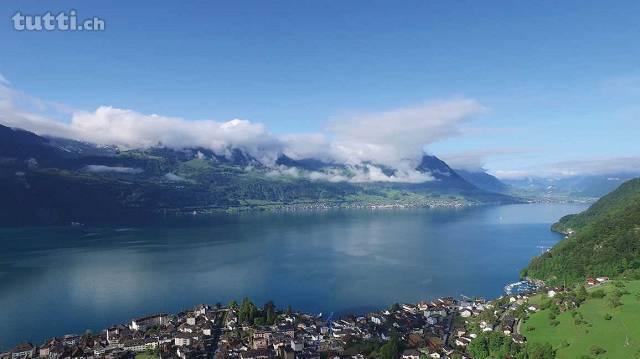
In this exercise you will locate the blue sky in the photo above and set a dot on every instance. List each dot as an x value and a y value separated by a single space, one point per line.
558 82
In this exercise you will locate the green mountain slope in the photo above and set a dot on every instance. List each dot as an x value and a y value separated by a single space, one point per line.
602 241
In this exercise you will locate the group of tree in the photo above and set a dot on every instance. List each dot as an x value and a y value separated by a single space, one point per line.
249 313
497 345
391 349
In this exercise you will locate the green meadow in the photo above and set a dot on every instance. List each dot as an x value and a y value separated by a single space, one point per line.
597 329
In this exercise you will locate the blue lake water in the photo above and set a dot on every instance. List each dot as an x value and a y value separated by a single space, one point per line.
55 281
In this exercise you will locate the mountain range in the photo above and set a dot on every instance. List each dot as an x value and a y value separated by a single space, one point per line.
46 180
484 180
569 187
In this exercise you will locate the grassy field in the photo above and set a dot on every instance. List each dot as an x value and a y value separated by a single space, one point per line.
618 334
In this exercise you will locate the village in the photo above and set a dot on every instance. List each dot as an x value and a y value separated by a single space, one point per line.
425 329
438 329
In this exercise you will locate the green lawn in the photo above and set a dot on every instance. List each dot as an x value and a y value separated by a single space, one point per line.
538 299
619 336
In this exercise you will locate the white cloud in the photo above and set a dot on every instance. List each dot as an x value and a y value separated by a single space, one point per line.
394 138
475 160
511 174
175 178
115 169
307 145
4 81
130 129
398 135
354 174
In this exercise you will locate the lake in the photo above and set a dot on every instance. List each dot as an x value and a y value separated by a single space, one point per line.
60 280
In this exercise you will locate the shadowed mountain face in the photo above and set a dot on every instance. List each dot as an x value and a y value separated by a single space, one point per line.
443 174
484 181
18 145
53 181
309 164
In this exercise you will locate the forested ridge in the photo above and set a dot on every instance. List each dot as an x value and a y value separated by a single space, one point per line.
604 240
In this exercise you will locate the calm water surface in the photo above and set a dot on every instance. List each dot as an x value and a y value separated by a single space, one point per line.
55 281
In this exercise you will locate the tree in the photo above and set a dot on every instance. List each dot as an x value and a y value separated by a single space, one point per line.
582 294
614 301
391 349
248 311
540 351
479 347
494 345
596 350
269 312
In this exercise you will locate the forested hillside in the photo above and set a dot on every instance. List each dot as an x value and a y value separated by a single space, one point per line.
601 241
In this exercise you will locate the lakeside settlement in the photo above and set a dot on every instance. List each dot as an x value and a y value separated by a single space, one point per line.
229 332
439 329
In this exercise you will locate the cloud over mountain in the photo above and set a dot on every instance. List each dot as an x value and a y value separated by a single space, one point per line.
364 141
475 160
400 134
393 138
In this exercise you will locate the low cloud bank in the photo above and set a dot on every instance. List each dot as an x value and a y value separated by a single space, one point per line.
175 178
354 174
394 138
114 169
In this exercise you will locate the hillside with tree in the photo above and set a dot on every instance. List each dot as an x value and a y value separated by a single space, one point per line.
604 240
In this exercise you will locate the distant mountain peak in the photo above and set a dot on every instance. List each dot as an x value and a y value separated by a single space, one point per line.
484 180
442 173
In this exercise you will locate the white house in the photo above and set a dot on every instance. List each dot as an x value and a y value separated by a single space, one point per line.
23 351
146 322
410 354
182 339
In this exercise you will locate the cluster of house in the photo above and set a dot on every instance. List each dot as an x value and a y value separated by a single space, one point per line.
595 281
502 318
468 309
425 329
189 334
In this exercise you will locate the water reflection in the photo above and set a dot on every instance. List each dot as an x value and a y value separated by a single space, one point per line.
59 280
